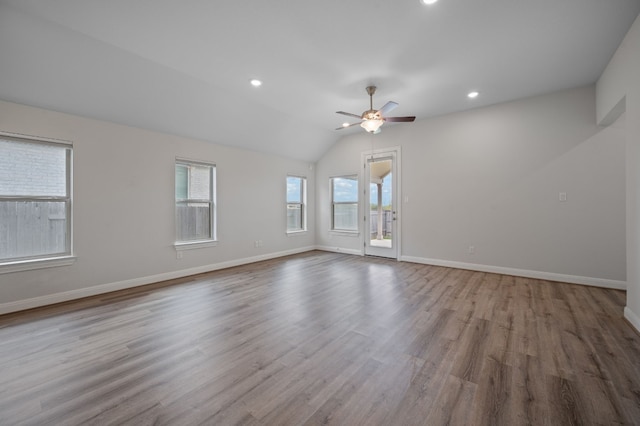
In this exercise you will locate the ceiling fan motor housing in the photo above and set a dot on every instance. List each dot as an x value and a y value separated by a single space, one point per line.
371 114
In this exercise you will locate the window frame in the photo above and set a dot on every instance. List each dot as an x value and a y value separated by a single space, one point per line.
333 229
302 205
47 260
211 240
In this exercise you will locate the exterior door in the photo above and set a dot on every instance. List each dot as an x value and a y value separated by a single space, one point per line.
381 214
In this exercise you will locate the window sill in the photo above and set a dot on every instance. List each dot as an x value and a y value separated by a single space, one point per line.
296 233
195 245
31 264
344 233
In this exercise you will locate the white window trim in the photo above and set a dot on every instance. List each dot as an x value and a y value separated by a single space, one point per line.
344 232
303 206
53 260
32 264
191 245
210 242
349 232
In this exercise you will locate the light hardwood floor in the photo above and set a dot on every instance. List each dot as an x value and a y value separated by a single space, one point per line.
325 338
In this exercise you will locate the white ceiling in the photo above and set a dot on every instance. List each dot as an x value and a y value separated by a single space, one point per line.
183 67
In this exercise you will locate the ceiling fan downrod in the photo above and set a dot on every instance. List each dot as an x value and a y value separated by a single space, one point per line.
371 90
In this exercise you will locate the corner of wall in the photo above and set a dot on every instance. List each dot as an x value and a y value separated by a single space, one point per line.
633 319
618 91
608 118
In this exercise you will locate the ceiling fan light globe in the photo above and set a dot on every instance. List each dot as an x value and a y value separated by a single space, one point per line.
371 126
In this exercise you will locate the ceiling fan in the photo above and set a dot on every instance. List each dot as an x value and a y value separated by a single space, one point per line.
372 119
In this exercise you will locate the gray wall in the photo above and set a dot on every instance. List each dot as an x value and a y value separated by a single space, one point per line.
488 177
491 178
123 207
618 90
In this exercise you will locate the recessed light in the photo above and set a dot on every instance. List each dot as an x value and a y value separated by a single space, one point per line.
255 82
345 124
428 2
473 94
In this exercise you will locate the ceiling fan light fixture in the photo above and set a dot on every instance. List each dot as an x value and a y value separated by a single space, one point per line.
372 125
372 119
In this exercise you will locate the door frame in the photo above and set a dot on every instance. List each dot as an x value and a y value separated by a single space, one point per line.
395 153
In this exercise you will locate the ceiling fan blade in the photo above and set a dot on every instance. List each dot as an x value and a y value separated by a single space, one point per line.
387 107
349 114
344 127
399 119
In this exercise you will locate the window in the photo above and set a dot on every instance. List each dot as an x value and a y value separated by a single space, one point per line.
344 203
195 202
35 201
296 204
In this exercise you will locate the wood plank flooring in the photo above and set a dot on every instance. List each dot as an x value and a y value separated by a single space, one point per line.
326 338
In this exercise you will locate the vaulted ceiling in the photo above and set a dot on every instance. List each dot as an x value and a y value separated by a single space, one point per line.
183 67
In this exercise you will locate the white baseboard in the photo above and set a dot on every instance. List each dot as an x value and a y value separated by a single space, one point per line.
633 319
548 276
36 302
339 250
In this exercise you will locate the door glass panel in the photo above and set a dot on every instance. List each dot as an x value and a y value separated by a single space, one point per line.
380 202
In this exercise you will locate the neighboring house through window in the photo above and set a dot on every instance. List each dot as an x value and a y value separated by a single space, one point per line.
344 203
296 204
35 202
195 202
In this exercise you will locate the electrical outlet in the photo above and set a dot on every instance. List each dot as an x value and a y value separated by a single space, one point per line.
471 250
179 254
562 196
